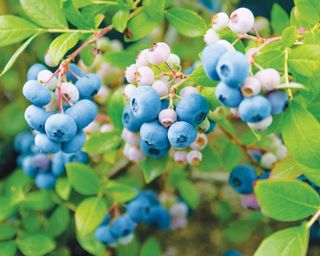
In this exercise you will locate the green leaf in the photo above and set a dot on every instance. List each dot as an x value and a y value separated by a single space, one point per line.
47 13
59 47
17 179
305 60
287 168
120 59
92 245
102 142
279 19
7 231
115 108
189 193
153 167
210 160
311 174
120 193
288 242
88 56
89 215
15 56
83 179
38 201
14 29
63 188
150 247
6 208
140 26
74 16
32 222
120 20
58 222
307 12
301 125
8 248
199 76
289 36
186 22
273 58
154 8
286 200
35 244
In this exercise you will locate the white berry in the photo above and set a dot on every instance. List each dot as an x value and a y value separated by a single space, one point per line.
130 73
241 21
179 209
69 91
200 142
268 160
158 53
211 36
251 87
144 76
167 117
129 90
132 138
134 154
142 59
46 77
188 90
174 60
194 157
227 45
262 125
161 87
281 152
180 157
269 78
220 21
106 128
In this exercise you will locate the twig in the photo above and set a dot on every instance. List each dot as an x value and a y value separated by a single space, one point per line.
313 219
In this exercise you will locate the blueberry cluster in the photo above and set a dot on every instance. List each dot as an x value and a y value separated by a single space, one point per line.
161 121
45 169
254 98
62 128
243 176
145 208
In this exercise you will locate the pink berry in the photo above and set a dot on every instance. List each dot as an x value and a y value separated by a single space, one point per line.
144 76
269 78
211 36
194 157
142 59
132 138
200 143
158 53
188 90
102 94
251 87
106 128
180 157
179 223
161 87
130 73
250 202
167 117
45 77
134 154
220 21
179 209
69 91
241 21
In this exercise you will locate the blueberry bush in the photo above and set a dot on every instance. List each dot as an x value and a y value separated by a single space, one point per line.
126 123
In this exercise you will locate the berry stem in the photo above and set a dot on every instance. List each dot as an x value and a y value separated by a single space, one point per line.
286 71
116 210
313 219
60 96
266 42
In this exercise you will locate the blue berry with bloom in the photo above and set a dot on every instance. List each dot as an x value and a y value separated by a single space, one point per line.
242 178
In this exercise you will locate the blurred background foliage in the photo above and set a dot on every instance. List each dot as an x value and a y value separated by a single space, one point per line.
220 223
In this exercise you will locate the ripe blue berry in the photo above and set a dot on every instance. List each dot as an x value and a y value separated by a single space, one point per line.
181 134
34 70
36 117
80 157
159 218
279 102
41 162
75 144
83 112
211 127
45 180
210 57
152 197
45 145
122 226
27 166
58 164
139 209
23 142
228 96
153 134
36 93
242 178
232 253
88 86
74 70
60 127
233 68
153 151
146 104
103 234
254 109
193 108
130 121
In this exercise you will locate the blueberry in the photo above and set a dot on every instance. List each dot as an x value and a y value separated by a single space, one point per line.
36 93
181 134
27 166
165 104
254 109
60 128
45 180
129 121
153 151
146 104
80 157
210 57
83 112
58 164
106 220
159 218
232 253
153 134
34 70
242 178
45 145
152 197
23 142
233 68
279 102
122 226
211 127
104 235
193 108
36 117
228 96
41 162
74 70
139 209
75 144
88 86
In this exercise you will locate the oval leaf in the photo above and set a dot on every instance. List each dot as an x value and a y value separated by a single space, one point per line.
153 167
35 244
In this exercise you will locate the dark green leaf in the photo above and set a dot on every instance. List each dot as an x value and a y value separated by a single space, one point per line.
58 222
120 20
189 193
153 167
35 244
88 56
120 59
279 19
115 108
154 8
7 231
151 247
8 248
74 16
92 245
38 201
